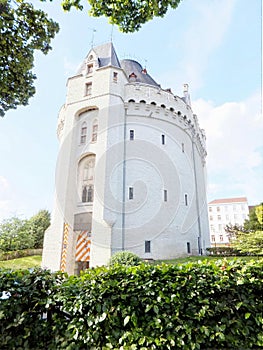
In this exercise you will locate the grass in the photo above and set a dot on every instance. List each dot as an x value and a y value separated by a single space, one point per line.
22 263
203 257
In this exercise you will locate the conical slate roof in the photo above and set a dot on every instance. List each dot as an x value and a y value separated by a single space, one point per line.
134 68
106 56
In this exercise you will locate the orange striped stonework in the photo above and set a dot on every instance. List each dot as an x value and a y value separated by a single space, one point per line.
64 248
83 247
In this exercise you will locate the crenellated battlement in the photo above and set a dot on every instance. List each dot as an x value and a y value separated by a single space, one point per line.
149 101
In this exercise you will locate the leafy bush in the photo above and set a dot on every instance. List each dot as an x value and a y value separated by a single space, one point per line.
125 258
224 251
205 305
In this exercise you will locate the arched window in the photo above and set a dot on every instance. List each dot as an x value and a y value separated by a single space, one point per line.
90 194
87 194
86 179
83 133
94 131
84 194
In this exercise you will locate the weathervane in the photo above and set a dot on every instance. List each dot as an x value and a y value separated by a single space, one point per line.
92 37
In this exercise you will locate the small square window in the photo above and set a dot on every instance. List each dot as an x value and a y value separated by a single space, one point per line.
130 192
147 247
88 89
165 195
131 134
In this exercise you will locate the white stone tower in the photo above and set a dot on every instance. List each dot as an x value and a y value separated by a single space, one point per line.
130 170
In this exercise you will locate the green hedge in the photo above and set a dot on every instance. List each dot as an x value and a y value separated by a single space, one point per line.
19 254
205 305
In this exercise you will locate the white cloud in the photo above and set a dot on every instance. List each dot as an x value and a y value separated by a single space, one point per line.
235 148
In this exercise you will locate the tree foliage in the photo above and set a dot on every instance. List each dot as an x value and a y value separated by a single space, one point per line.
253 223
19 234
23 30
249 238
251 242
37 226
128 15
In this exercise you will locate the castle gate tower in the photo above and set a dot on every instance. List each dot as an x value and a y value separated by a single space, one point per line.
130 170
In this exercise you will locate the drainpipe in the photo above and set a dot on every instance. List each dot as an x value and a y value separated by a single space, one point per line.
200 251
124 180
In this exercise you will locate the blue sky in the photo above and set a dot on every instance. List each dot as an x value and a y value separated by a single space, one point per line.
213 45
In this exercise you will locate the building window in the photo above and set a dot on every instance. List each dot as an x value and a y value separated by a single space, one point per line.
186 199
211 217
84 194
183 147
227 217
131 134
212 228
213 238
165 195
147 247
87 194
234 207
188 245
218 217
210 209
220 227
90 194
163 139
90 68
217 208
88 89
83 133
94 131
115 76
130 192
221 238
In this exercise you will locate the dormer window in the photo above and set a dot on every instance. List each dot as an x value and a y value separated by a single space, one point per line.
89 68
144 71
132 75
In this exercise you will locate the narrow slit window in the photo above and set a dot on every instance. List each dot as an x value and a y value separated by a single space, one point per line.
165 195
188 247
183 147
84 194
131 134
147 247
88 89
186 199
163 139
83 133
90 193
130 192
94 131
115 76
